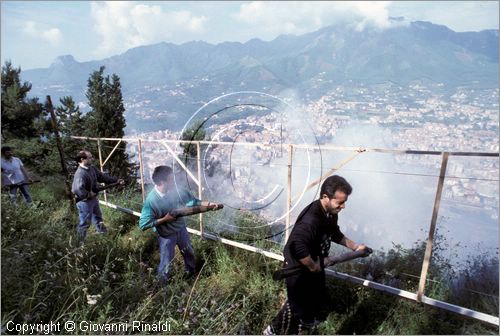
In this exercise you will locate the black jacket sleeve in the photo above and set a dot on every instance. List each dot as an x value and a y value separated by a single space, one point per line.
337 235
104 178
301 240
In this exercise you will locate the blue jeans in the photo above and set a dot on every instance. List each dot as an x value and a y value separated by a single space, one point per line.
89 211
24 190
167 252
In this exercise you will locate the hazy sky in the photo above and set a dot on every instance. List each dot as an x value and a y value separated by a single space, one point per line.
34 33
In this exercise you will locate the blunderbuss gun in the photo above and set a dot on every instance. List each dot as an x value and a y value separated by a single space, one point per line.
188 211
290 271
163 230
20 184
107 186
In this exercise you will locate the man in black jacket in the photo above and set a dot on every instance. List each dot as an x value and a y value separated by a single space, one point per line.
308 246
86 189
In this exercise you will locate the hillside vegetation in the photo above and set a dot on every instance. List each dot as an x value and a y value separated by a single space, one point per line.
47 277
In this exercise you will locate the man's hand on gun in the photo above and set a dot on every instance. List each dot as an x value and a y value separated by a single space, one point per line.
168 218
361 251
215 206
316 267
312 266
361 247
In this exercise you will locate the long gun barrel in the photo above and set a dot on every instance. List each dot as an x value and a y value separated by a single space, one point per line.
107 186
23 183
20 184
287 272
100 188
188 211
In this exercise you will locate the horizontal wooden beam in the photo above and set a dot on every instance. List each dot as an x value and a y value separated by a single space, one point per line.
305 146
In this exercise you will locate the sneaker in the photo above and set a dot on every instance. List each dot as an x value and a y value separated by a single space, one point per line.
101 229
268 331
189 275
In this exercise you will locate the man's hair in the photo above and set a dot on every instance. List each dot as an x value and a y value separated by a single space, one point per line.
82 155
161 174
6 149
334 183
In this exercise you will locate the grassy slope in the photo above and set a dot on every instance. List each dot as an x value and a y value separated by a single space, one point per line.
46 277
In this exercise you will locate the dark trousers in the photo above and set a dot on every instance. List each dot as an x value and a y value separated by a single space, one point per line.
24 190
167 253
89 211
305 304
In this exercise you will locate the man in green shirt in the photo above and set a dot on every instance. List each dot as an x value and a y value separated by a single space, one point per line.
171 231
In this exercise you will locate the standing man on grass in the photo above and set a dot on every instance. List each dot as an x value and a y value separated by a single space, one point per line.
308 246
14 174
171 231
86 189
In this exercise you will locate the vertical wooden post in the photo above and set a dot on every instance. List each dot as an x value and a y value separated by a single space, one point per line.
198 155
100 164
289 193
64 170
141 170
432 229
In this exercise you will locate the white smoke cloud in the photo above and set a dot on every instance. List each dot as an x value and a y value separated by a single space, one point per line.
302 17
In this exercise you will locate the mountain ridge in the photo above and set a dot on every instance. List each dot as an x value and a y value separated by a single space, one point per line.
340 55
172 62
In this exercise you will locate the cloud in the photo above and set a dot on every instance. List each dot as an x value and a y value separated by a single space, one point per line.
302 17
456 15
124 25
51 35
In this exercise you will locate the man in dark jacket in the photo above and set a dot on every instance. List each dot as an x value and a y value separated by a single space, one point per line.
85 189
308 246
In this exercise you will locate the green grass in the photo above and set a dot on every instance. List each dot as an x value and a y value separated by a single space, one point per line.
47 277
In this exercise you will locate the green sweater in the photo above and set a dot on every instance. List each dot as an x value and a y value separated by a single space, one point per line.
155 206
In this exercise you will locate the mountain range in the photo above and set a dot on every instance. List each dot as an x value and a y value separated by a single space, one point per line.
186 75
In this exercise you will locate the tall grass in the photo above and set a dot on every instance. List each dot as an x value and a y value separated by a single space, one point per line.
112 278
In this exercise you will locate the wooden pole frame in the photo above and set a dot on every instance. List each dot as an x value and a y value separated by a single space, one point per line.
305 146
330 172
101 165
109 156
289 193
176 157
64 169
430 240
141 170
200 189
419 296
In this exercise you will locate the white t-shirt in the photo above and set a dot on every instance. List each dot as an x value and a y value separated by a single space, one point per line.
12 170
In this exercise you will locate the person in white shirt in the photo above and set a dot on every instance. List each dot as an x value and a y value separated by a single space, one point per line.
14 175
